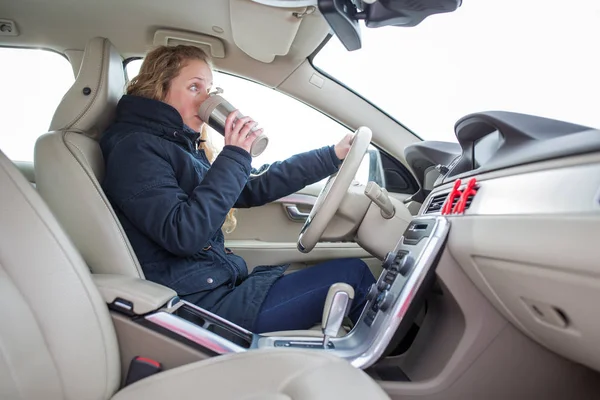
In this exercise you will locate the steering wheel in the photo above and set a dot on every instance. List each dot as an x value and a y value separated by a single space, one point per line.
333 192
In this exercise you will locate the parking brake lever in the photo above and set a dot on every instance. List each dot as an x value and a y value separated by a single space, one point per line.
337 306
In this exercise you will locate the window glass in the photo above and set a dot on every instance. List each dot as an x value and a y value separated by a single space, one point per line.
33 83
536 57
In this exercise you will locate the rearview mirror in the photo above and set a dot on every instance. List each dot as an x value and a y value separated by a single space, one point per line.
343 15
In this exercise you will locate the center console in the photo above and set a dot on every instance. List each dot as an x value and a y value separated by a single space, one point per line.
393 301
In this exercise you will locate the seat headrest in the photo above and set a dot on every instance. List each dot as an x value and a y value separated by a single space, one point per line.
89 105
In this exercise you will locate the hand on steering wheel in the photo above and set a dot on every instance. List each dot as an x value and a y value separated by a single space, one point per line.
335 189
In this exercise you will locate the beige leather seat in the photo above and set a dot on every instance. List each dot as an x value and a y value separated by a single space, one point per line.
58 342
69 165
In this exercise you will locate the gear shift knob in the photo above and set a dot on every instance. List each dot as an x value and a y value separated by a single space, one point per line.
337 306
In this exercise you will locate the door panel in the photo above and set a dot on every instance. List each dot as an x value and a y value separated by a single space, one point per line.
258 252
268 235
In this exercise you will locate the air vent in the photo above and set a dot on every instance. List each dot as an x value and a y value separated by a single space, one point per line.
437 202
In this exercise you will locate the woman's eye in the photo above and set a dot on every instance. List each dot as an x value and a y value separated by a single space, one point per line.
194 88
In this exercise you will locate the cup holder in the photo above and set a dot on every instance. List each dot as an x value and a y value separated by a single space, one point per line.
215 325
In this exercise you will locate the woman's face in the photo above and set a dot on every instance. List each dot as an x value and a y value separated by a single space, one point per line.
188 90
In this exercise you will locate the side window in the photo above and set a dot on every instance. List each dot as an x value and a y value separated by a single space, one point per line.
33 83
292 126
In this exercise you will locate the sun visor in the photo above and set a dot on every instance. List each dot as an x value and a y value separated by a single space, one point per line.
210 44
264 32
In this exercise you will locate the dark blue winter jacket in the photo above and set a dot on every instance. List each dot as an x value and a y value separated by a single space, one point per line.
172 204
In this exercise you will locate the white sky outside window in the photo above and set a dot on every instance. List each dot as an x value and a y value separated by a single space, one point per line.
536 57
32 83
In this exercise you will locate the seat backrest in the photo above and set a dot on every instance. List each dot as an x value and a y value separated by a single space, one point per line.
56 337
69 165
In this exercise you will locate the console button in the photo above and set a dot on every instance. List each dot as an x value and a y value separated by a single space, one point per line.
390 277
386 301
390 258
373 292
397 259
405 265
370 317
383 285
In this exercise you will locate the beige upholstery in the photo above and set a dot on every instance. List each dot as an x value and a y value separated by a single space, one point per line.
56 337
266 374
60 342
69 165
144 295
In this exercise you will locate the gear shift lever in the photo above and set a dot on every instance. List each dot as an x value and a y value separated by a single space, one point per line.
337 306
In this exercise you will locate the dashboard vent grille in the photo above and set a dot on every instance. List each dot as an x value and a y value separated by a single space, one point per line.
437 202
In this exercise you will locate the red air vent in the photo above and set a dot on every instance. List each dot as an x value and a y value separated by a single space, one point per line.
437 202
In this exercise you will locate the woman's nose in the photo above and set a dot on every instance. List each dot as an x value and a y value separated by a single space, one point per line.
202 98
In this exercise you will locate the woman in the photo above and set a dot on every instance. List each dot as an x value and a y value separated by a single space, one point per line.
173 198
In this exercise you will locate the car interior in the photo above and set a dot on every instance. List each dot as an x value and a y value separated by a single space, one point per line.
483 247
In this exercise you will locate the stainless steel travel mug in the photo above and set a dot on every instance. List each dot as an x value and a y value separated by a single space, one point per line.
214 112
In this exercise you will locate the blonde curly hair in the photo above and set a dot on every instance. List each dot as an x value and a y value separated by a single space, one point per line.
159 68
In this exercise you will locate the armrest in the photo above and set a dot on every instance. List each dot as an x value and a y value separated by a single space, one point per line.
144 296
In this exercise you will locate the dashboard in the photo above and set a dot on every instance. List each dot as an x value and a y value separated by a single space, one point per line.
527 240
485 148
495 140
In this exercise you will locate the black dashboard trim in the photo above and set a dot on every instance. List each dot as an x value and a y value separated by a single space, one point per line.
527 139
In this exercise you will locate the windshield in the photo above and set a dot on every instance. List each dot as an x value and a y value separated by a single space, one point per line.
535 56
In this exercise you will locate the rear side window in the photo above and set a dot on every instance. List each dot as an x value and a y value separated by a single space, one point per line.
33 82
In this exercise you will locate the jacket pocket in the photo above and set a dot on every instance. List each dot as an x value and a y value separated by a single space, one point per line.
238 262
200 279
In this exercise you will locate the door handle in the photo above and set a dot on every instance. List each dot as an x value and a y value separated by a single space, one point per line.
294 214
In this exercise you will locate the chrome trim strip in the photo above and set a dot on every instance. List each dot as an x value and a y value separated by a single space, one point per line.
195 333
221 320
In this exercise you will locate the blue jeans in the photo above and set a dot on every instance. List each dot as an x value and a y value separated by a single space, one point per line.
296 300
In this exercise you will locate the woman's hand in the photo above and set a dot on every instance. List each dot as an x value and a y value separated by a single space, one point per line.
343 147
238 133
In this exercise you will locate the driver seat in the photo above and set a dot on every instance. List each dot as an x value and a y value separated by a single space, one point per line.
58 340
69 167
